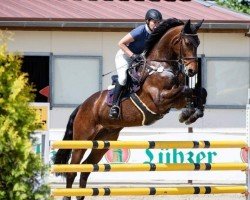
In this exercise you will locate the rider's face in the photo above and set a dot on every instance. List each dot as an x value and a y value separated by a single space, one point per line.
153 24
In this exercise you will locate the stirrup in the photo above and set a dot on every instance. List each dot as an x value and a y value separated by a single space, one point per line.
114 112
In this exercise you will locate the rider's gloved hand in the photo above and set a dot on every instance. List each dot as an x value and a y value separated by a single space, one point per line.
136 57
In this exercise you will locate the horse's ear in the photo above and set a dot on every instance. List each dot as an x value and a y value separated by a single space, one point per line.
187 27
197 26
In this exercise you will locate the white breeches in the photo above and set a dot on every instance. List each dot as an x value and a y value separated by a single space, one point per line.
122 63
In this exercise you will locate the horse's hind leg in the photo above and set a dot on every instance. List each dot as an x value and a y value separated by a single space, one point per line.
96 154
87 133
77 155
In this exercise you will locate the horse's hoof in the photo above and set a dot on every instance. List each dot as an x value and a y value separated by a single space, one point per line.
188 122
80 198
194 117
185 114
66 198
181 118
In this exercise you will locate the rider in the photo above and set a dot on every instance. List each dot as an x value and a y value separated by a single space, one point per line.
131 47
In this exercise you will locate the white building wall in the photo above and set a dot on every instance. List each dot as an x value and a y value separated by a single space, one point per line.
105 44
226 44
31 41
76 43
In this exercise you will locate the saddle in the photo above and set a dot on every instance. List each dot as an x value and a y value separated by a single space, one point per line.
132 86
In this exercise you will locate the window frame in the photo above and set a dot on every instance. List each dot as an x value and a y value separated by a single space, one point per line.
52 76
205 78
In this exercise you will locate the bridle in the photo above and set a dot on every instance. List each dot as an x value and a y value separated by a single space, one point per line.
181 59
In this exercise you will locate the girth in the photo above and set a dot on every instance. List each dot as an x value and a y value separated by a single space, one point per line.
149 117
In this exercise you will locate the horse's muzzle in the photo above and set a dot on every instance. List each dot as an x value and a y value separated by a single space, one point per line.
190 72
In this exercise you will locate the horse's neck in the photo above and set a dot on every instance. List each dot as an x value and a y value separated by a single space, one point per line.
157 83
153 88
164 50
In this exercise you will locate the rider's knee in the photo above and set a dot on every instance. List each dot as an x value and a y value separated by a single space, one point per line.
122 81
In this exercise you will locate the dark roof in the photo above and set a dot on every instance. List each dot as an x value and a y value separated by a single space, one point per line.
111 12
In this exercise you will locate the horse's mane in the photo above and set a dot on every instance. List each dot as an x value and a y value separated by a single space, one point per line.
156 35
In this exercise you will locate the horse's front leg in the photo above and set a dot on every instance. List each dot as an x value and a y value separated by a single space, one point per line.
174 97
195 106
175 92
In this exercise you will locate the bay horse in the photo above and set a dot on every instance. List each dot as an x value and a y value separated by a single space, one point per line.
171 54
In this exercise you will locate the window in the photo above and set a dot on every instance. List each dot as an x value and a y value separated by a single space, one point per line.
37 68
227 81
74 79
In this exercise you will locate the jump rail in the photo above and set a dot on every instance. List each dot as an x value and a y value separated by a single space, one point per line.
147 144
149 191
149 167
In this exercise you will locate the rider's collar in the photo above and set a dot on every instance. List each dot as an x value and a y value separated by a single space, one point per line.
147 29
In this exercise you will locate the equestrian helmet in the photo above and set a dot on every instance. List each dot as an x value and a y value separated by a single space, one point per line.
153 14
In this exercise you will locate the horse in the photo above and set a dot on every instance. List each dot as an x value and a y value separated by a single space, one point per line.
171 55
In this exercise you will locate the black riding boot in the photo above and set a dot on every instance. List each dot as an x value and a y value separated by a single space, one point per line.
115 109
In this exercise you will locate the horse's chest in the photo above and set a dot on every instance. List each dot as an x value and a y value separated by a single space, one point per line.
171 79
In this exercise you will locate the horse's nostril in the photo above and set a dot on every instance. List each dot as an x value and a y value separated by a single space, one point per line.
190 71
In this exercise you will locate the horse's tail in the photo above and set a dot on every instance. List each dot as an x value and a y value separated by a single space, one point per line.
62 156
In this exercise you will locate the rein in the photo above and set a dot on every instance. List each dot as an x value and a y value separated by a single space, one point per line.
147 70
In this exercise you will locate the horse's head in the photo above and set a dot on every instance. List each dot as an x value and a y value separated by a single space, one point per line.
174 42
185 47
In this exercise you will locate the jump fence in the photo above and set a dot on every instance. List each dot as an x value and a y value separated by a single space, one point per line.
243 189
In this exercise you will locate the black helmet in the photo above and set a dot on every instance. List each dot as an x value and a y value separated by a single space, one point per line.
153 14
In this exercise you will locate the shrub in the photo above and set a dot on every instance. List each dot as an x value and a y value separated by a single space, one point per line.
21 169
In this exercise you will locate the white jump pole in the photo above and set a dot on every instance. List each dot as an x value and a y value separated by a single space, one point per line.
248 140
